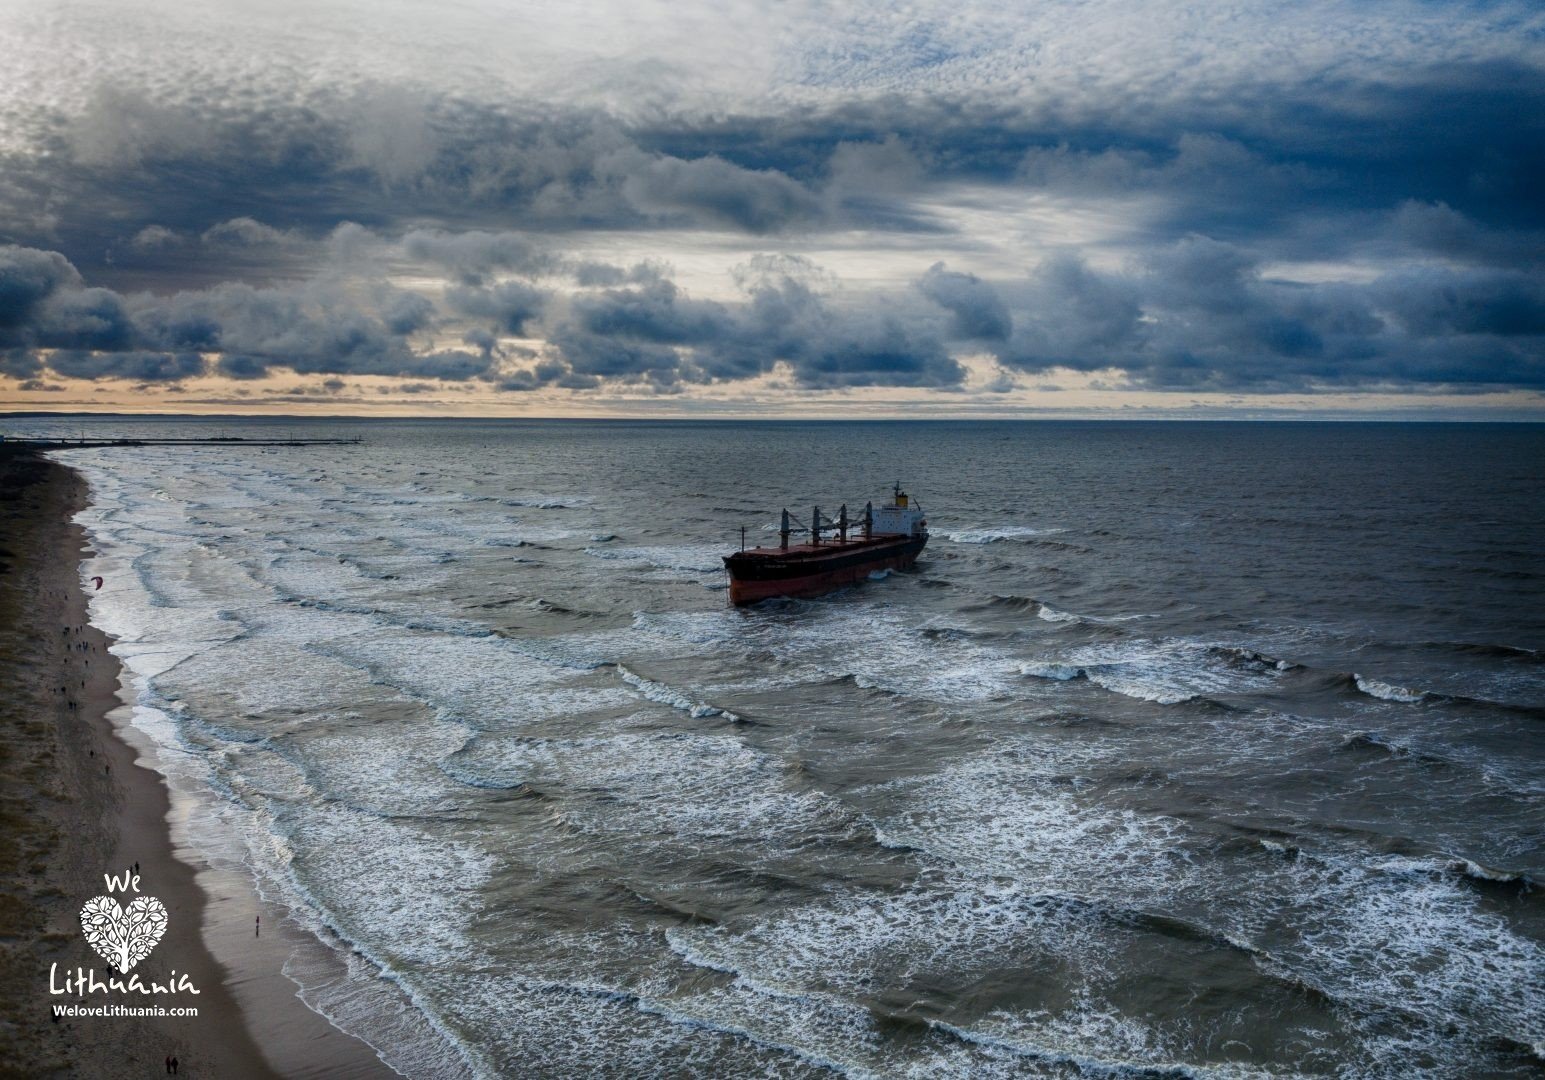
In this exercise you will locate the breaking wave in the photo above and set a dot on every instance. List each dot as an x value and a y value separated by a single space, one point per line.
1387 691
1000 534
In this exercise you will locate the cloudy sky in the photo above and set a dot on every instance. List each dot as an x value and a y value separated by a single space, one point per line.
679 208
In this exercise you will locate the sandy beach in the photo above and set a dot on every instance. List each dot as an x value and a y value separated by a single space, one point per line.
79 803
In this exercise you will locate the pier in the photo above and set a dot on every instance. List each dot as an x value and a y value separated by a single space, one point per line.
229 440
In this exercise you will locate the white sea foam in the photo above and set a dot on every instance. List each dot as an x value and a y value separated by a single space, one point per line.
381 767
574 1026
996 534
282 681
190 648
340 734
483 682
1387 691
1405 935
661 787
1094 1039
546 502
416 908
1166 671
941 928
696 560
878 647
467 532
1017 813
657 691
1043 670
799 974
1475 870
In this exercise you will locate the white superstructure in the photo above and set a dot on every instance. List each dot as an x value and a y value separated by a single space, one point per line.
901 517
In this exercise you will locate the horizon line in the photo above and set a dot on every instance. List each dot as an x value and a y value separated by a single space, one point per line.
1344 418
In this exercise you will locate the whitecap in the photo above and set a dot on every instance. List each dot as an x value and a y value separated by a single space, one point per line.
1387 691
666 695
1001 533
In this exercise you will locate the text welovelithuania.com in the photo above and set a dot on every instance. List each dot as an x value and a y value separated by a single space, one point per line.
123 1010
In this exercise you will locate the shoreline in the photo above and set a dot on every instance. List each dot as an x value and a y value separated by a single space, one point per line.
84 799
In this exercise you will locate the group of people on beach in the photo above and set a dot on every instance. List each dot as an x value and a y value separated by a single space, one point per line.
78 646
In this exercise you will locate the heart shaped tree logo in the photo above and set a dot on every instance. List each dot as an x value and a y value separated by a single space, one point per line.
122 936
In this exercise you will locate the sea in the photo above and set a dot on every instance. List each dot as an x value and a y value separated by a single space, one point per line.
1188 749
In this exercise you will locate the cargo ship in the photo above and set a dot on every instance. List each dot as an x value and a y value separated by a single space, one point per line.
884 538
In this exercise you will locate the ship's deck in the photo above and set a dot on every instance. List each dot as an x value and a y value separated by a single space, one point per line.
825 547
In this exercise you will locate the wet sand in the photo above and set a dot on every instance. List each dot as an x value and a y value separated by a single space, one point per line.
77 802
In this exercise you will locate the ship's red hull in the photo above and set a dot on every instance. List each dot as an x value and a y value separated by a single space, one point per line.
814 570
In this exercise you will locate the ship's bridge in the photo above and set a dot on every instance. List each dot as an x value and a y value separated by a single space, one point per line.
902 517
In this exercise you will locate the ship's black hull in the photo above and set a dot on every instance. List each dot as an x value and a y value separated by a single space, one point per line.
811 570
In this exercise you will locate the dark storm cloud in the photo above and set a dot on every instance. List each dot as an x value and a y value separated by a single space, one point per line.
406 312
757 201
651 334
655 329
28 278
877 351
136 364
510 306
1270 165
1430 303
788 319
1439 230
592 274
483 340
549 373
1247 164
1199 315
205 225
655 312
452 365
94 333
473 256
84 319
613 357
20 364
239 366
1076 318
979 313
309 330
255 172
252 180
